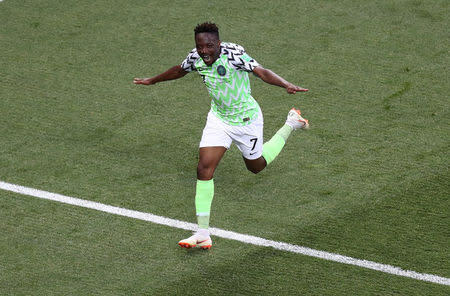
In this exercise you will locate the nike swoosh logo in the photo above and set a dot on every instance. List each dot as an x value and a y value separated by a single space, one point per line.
253 153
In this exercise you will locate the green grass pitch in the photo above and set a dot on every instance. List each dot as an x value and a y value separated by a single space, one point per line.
369 180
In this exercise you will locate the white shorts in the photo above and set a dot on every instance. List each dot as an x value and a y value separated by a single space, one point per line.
248 138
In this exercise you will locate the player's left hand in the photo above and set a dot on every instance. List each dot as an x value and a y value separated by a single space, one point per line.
292 89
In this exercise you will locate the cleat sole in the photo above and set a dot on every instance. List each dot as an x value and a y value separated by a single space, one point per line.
186 245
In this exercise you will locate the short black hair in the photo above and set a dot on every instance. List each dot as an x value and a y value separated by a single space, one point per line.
207 28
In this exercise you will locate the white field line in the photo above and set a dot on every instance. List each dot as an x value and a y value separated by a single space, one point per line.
248 239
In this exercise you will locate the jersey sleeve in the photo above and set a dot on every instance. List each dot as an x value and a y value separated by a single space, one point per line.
189 63
238 58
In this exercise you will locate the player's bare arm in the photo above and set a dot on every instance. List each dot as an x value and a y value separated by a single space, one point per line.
173 73
270 77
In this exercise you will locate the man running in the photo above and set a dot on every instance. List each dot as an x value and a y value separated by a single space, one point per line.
234 117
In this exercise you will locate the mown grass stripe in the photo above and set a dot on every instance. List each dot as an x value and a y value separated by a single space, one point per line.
249 239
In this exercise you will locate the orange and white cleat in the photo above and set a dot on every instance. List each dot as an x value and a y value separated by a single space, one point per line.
295 120
203 242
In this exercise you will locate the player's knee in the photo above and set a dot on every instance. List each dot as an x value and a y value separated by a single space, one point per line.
255 166
204 172
254 170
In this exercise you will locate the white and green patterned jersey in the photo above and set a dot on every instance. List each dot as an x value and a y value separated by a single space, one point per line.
228 83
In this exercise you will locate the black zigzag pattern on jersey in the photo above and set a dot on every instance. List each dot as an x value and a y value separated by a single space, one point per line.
234 53
188 63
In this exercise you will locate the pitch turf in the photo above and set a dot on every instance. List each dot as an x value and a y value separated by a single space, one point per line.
370 179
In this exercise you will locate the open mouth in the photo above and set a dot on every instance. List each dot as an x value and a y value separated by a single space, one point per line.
207 58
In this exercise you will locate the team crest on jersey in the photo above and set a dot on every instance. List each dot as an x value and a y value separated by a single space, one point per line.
221 70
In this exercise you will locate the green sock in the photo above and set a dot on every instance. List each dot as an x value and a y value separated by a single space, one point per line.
273 147
285 131
203 221
203 199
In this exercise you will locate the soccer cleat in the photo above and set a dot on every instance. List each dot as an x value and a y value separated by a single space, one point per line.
295 120
204 242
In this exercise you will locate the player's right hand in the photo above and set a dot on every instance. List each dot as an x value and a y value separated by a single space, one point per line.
145 81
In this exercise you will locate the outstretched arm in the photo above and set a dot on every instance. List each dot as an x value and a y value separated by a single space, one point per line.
272 78
173 73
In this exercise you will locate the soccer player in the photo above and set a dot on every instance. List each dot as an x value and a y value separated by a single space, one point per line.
234 117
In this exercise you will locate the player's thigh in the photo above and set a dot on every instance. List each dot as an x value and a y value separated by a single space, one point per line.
215 133
249 139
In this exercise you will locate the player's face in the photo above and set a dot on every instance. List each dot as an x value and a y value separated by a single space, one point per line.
208 47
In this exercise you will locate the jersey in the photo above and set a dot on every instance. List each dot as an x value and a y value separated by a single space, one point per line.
228 83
